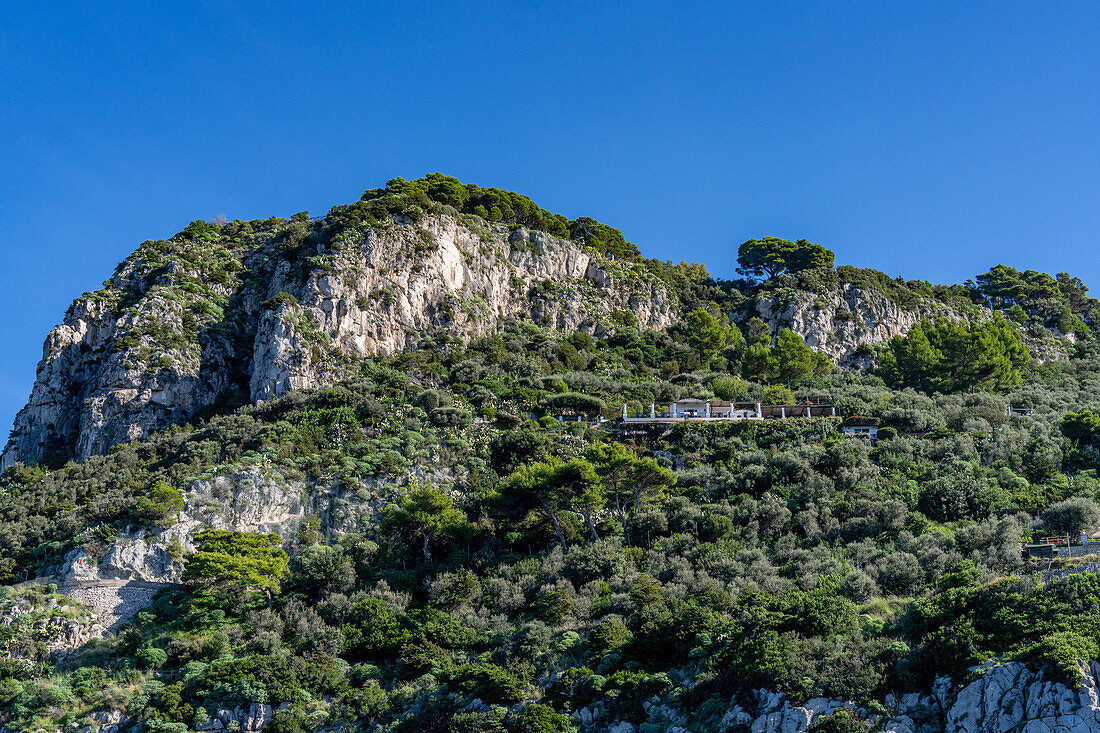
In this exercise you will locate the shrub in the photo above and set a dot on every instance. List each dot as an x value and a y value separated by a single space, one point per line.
539 718
553 605
1059 652
151 657
450 417
490 683
1072 516
777 394
159 505
842 721
609 635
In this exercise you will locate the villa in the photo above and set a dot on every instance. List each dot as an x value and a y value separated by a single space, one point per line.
858 426
721 410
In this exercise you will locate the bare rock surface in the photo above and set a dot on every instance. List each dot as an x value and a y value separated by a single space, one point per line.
1004 698
110 373
838 323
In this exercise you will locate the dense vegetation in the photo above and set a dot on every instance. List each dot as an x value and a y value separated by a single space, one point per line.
771 256
546 566
486 556
956 357
493 204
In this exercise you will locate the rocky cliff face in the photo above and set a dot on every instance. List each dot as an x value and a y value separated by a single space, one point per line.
1003 699
194 320
124 576
244 501
840 322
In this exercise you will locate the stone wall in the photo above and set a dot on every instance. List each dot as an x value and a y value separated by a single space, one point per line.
115 602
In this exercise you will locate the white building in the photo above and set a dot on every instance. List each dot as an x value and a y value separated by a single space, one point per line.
720 410
692 409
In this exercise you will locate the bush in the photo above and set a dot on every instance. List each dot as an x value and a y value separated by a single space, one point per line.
159 505
1072 516
1060 651
842 721
899 573
777 394
151 657
553 605
490 683
450 417
539 718
609 635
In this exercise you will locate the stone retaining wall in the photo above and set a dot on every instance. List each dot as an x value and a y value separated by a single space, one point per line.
114 602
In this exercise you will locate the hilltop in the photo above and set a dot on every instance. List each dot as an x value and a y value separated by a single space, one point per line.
365 470
227 313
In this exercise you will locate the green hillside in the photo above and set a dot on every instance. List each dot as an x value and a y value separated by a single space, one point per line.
487 550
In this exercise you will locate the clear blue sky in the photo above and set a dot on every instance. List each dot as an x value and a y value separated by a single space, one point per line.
927 139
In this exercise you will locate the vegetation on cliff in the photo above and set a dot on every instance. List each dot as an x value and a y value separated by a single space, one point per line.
502 561
560 566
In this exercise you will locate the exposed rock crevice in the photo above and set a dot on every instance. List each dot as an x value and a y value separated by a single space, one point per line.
114 370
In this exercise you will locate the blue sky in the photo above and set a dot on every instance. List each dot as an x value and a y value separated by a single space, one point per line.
930 140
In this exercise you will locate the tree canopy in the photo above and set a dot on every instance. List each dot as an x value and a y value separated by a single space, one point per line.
770 256
951 356
426 511
227 561
495 204
1060 301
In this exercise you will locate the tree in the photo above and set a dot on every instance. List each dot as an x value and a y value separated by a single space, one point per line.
1072 516
426 511
759 363
777 394
728 388
226 559
628 480
795 360
603 238
159 505
765 258
1082 427
1058 301
578 479
324 570
950 356
951 498
706 334
911 360
552 486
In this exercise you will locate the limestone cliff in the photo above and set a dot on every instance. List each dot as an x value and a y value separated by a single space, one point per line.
211 315
1007 698
841 322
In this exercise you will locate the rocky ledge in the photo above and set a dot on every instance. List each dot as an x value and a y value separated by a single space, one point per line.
146 351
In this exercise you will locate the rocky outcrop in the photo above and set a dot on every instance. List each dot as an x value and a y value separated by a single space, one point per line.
380 296
45 627
1013 698
127 575
1003 698
1006 698
838 323
248 718
172 333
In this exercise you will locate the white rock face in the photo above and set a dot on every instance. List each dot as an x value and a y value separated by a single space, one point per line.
245 501
838 323
1011 698
110 374
1004 699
